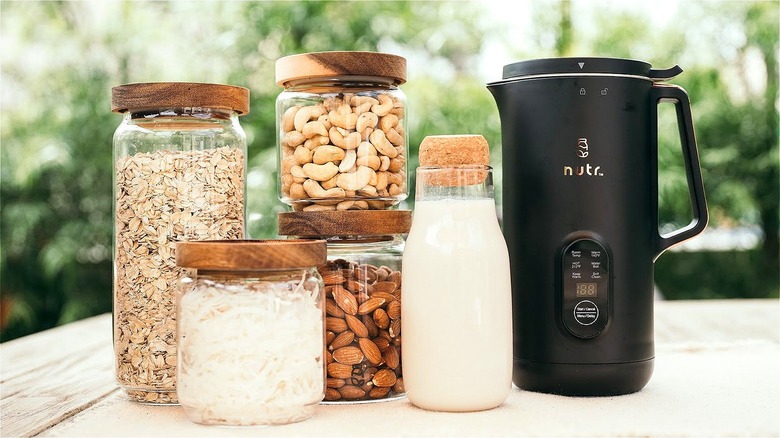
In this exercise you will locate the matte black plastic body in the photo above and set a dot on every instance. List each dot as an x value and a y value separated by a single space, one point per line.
546 206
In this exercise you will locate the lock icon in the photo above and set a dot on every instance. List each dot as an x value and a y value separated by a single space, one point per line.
582 91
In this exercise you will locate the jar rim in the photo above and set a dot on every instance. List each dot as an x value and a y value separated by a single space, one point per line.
141 96
248 255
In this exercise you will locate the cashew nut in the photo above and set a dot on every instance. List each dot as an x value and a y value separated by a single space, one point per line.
385 162
302 155
324 154
388 121
382 145
396 164
293 138
320 172
310 129
345 140
315 190
348 161
288 117
365 149
297 191
356 180
345 205
394 190
371 161
317 140
329 184
298 173
287 163
319 207
361 205
305 114
381 180
368 191
394 137
366 120
345 121
325 120
384 106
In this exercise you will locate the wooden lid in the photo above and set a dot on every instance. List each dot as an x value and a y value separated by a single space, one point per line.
249 255
150 95
316 65
345 223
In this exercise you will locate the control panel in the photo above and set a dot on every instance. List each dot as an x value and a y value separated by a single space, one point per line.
586 276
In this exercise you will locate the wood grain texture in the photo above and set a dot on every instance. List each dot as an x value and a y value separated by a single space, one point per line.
344 223
53 375
152 95
306 66
247 255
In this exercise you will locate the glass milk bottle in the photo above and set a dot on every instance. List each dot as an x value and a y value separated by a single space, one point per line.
456 315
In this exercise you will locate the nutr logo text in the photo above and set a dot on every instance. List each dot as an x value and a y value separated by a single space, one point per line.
583 150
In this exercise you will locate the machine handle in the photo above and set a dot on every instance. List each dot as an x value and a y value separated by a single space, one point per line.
678 96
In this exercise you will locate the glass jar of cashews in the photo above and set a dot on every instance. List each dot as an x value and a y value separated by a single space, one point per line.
341 131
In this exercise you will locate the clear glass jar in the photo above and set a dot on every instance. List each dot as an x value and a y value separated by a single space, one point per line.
362 280
341 131
179 170
250 331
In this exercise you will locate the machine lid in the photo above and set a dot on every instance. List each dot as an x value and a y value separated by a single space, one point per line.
587 66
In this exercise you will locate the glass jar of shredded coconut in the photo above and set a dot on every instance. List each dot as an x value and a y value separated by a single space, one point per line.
250 331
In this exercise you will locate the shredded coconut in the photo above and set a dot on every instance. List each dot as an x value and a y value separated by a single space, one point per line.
250 353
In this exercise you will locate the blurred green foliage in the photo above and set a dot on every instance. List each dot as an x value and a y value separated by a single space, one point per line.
59 61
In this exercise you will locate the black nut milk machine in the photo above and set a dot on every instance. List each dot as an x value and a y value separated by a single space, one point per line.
580 217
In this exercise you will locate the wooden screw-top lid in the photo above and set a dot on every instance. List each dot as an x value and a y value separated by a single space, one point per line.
344 223
454 160
250 255
151 95
307 66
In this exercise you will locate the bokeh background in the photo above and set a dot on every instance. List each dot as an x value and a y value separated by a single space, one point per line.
59 60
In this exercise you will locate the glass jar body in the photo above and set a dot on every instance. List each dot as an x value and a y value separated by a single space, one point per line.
342 144
244 335
363 327
457 289
178 175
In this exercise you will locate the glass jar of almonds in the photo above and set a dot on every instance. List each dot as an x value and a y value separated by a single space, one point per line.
341 127
179 170
362 279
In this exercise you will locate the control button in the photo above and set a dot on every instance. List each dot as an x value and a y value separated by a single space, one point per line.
595 254
595 265
595 275
576 265
586 312
576 275
576 254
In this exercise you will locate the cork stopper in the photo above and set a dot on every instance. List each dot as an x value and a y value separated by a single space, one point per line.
152 95
324 65
454 160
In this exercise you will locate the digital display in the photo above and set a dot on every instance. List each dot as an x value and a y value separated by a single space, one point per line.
587 290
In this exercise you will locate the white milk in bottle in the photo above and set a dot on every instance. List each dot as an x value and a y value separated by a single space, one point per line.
457 322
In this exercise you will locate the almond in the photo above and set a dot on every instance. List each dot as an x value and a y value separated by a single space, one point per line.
378 392
333 309
332 394
384 378
366 273
336 325
395 277
370 351
328 357
345 300
381 319
348 355
354 286
329 337
342 340
332 278
356 326
384 286
334 383
391 357
351 392
382 343
395 328
399 385
339 370
389 298
394 309
370 305
373 330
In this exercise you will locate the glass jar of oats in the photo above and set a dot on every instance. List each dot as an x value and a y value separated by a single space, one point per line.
250 331
362 279
179 169
341 131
